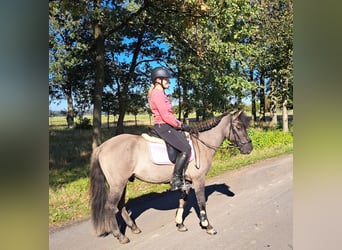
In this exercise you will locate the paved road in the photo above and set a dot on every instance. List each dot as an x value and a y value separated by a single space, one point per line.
250 208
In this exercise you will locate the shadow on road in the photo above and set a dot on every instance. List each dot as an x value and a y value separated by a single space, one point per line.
169 200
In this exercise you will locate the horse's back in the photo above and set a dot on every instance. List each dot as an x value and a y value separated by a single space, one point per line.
120 140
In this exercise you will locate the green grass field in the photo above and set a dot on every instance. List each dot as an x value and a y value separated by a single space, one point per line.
142 119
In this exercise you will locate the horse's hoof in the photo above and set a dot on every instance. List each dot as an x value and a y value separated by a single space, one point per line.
211 231
124 239
135 229
204 223
104 234
181 228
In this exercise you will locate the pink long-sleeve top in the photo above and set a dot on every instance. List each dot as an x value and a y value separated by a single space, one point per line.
162 109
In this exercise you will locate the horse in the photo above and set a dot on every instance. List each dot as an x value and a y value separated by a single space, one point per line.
126 156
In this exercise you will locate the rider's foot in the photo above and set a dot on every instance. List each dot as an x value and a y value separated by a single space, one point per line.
178 183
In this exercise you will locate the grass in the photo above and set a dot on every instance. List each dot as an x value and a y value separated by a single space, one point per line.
70 151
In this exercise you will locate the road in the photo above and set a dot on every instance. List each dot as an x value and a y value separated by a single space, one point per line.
250 208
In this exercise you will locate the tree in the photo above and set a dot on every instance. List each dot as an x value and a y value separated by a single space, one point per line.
67 51
109 105
277 38
136 103
219 51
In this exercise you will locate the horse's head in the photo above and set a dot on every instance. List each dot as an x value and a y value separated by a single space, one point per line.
237 133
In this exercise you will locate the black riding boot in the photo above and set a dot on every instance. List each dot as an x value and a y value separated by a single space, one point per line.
178 181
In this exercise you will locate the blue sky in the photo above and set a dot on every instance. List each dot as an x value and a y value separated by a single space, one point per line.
122 57
62 104
54 106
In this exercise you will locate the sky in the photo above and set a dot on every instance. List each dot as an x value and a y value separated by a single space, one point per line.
62 104
54 106
123 57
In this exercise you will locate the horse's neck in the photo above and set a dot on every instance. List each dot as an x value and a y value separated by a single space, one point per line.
215 136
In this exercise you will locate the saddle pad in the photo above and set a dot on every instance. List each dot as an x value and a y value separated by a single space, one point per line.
147 137
159 154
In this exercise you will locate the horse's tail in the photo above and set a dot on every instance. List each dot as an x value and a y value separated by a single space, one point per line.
98 194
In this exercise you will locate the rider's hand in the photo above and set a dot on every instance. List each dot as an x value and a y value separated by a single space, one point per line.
185 127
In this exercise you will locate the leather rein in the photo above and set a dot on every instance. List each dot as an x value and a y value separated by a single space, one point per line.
231 130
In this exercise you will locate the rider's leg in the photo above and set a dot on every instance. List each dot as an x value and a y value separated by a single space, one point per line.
178 181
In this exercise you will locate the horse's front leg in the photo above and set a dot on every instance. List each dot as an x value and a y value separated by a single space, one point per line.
179 213
200 196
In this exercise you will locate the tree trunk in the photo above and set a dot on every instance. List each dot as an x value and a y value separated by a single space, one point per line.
262 98
273 104
251 78
273 109
254 106
123 94
122 111
285 116
108 113
99 83
284 107
70 114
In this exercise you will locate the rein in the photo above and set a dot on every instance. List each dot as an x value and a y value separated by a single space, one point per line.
204 143
231 129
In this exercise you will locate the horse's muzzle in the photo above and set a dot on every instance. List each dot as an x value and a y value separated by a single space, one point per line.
246 148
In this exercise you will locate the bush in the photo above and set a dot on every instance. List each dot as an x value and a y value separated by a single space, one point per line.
267 139
261 139
84 123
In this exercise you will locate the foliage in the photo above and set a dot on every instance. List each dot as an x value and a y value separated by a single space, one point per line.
261 138
219 51
269 139
84 123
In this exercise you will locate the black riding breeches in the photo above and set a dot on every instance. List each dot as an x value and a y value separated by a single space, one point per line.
173 137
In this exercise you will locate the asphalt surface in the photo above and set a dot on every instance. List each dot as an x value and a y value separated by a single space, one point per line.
250 208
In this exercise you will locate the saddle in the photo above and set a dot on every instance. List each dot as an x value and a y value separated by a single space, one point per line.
162 153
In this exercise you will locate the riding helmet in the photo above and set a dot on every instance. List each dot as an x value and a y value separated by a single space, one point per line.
160 72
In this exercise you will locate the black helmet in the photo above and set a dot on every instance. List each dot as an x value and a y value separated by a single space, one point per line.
160 72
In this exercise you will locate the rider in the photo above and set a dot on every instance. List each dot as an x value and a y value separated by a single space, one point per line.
167 126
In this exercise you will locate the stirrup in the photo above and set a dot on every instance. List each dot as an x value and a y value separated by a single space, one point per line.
184 186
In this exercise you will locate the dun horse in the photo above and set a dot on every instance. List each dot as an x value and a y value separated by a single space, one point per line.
127 156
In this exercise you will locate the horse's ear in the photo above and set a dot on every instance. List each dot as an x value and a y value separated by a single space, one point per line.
237 114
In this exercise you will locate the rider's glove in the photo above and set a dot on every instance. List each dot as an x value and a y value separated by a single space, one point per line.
185 127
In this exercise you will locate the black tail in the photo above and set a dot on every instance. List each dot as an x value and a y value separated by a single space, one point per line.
98 195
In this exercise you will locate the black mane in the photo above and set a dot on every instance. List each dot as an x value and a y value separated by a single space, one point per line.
206 125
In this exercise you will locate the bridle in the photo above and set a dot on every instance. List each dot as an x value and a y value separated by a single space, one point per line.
236 136
232 130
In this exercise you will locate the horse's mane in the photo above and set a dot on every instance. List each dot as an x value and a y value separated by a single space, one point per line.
207 124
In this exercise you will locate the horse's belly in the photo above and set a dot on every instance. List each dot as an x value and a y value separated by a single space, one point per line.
153 173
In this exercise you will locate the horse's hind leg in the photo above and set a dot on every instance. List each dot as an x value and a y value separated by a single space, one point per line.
111 209
179 213
125 215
